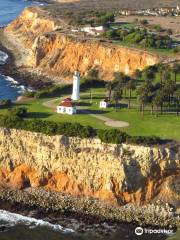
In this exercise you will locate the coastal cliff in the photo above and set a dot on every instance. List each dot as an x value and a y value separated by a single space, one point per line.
117 174
49 47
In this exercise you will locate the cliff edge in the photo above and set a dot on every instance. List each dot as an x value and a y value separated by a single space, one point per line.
49 47
117 174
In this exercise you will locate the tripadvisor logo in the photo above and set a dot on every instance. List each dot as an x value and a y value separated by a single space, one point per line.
139 231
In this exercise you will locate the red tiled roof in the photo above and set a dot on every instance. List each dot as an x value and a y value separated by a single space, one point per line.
66 104
67 100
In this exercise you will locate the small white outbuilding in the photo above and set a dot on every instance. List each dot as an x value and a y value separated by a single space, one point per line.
104 103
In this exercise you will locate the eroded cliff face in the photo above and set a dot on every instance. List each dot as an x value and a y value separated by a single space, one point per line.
86 167
59 53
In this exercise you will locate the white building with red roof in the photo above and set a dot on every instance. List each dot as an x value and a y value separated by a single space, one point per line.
67 107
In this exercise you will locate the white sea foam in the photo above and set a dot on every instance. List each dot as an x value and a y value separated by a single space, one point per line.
13 219
36 3
14 84
10 79
3 57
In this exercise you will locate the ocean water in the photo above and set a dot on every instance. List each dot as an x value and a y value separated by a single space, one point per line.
17 227
9 10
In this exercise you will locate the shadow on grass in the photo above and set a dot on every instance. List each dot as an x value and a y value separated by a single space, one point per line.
84 104
38 115
93 98
90 111
13 105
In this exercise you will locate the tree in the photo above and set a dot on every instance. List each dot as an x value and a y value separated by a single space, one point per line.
158 100
120 80
93 74
176 70
137 74
150 74
166 75
109 87
117 95
169 89
177 100
131 85
145 93
161 69
111 34
144 22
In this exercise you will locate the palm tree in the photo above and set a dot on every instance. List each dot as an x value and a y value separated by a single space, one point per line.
131 85
150 74
117 95
109 87
176 70
143 98
161 69
166 75
137 74
145 93
169 89
92 75
177 99
158 100
120 80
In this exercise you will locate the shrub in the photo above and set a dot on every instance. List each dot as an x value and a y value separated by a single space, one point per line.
29 94
19 112
144 22
47 127
50 128
112 136
144 140
11 121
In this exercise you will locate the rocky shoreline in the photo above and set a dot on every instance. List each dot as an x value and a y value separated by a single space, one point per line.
19 74
87 215
91 210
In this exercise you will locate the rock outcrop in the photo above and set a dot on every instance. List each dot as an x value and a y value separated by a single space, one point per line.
118 174
51 50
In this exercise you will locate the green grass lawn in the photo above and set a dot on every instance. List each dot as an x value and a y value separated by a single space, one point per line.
164 126
37 110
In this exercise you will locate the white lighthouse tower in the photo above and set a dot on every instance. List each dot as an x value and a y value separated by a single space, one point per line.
76 86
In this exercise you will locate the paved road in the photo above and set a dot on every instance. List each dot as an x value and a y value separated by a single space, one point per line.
107 121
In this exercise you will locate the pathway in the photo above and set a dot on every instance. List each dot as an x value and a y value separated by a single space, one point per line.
107 121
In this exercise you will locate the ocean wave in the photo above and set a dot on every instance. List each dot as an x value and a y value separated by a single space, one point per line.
12 219
3 57
36 3
10 79
14 84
